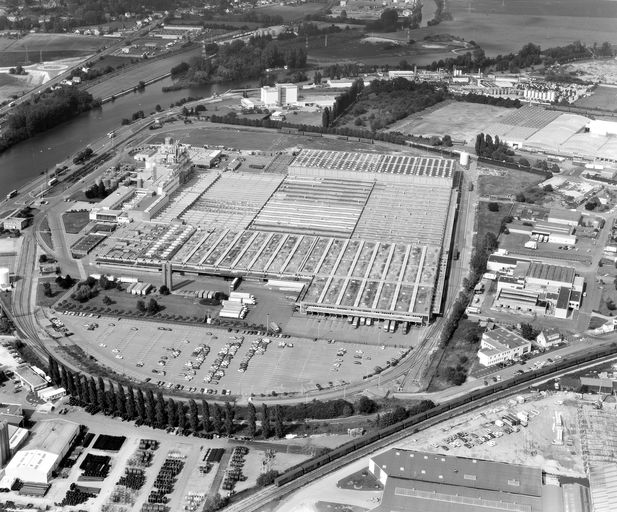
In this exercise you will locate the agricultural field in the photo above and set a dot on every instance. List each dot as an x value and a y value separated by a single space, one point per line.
462 121
604 98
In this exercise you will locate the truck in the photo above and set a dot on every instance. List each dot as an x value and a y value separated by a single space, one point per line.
274 327
52 182
11 194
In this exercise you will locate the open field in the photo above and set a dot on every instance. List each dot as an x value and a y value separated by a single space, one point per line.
462 121
49 47
297 368
507 182
146 71
261 140
603 97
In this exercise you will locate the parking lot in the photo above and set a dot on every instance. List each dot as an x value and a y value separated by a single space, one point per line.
179 355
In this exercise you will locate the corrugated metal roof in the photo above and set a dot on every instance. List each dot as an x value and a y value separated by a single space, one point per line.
603 485
547 272
461 471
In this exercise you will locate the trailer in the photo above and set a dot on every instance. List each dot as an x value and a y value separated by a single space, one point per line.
242 295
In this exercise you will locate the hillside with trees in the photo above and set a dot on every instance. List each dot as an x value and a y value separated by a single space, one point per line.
45 112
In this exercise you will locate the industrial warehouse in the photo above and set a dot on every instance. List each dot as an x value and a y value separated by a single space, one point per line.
368 234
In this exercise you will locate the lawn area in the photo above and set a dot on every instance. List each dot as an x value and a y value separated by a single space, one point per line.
507 182
458 357
57 292
361 480
603 97
291 12
46 233
488 221
608 302
74 222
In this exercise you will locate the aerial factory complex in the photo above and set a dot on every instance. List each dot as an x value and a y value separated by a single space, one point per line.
366 234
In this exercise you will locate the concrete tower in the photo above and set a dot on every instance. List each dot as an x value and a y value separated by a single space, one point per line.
5 449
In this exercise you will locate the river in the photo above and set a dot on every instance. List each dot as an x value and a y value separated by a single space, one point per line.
27 160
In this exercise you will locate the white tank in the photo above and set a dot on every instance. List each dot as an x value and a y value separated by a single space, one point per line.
464 159
5 281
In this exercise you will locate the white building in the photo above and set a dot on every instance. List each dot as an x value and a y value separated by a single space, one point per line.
49 443
501 345
548 337
280 95
51 393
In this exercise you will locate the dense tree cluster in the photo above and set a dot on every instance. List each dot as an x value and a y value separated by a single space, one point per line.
400 98
495 149
387 22
343 102
490 100
44 112
400 413
97 190
240 60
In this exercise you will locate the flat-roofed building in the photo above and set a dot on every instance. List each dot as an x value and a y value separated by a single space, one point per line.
502 263
500 344
569 217
519 301
549 277
563 302
28 377
13 414
49 442
443 483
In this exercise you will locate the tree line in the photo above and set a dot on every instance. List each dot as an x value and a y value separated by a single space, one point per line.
132 403
44 112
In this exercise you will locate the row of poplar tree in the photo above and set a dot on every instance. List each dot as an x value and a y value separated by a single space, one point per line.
134 404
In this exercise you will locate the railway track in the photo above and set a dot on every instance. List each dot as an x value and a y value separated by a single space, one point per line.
271 494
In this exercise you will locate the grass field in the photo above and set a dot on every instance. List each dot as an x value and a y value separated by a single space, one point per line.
603 97
462 121
489 221
291 12
49 47
508 182
74 222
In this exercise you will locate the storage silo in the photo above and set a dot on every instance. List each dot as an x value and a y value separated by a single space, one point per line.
5 280
464 159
